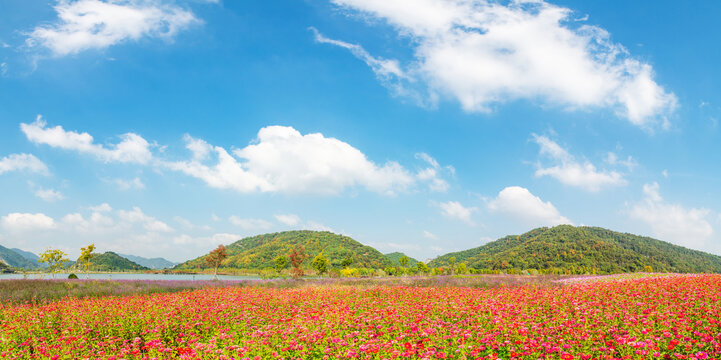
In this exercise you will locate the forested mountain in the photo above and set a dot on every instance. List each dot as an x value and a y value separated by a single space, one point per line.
153 263
395 258
259 252
582 249
110 261
16 260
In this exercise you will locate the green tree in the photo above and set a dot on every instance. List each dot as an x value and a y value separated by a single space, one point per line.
320 264
347 261
86 254
280 262
55 259
422 267
452 264
297 256
461 268
404 260
215 257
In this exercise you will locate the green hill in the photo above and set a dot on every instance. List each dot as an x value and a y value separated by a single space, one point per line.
583 249
258 252
395 258
16 260
111 261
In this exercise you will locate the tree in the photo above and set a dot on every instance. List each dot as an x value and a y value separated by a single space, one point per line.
86 254
215 257
422 267
280 263
452 264
297 256
461 268
320 264
404 260
347 261
55 259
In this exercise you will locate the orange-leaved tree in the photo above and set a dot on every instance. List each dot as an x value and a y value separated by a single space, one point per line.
215 257
297 256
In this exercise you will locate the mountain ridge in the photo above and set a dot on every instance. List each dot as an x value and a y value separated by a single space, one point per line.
260 251
590 249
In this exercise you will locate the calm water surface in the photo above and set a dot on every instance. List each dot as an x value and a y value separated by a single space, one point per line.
129 276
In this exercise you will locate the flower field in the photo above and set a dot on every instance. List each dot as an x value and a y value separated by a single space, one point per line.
671 317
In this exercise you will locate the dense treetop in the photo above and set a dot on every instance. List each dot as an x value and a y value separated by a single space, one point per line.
395 258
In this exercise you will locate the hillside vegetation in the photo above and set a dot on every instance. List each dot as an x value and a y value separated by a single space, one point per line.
582 250
14 259
110 261
259 252
395 258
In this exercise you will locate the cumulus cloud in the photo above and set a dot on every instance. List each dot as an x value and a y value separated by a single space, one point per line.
454 210
570 171
432 173
124 230
672 222
284 160
250 224
136 215
429 235
49 195
522 206
483 53
20 222
22 162
132 149
97 24
288 219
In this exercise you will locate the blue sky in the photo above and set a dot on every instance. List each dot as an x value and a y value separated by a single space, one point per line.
163 128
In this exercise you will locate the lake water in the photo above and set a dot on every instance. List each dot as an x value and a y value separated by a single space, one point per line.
129 276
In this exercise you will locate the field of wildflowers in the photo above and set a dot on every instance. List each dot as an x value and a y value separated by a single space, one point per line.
669 317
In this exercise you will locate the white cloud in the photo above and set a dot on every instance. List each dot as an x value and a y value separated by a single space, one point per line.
431 174
104 207
127 184
49 195
524 207
316 226
454 210
132 148
22 162
288 219
572 172
250 224
629 163
284 160
429 235
664 173
672 222
125 231
148 222
95 24
20 222
482 53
